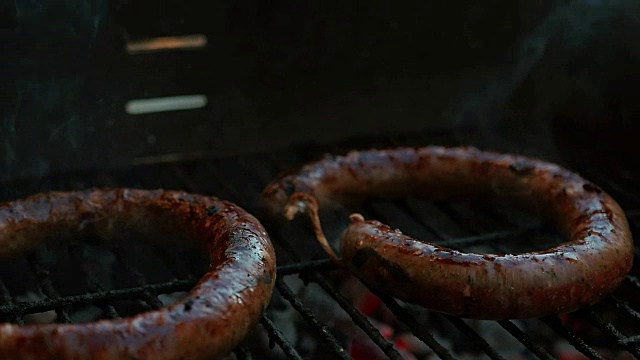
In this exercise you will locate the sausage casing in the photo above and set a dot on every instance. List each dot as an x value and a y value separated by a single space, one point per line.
213 318
577 273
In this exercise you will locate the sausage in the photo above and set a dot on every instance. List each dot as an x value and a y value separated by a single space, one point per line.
575 274
214 317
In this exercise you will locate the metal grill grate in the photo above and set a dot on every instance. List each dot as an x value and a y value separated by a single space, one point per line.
607 330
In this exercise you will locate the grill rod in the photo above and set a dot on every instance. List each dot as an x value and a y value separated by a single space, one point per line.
553 322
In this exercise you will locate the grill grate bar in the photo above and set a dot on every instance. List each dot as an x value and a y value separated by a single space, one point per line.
366 326
419 330
277 337
630 339
93 284
302 267
478 227
132 293
414 209
610 330
624 306
274 334
149 298
429 215
97 297
390 213
7 300
578 343
110 311
633 280
538 350
490 237
309 269
477 340
42 274
487 238
358 318
554 323
309 316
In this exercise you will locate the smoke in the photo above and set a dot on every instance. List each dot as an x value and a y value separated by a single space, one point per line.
564 63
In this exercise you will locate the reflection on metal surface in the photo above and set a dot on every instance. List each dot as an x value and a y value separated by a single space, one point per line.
166 43
170 103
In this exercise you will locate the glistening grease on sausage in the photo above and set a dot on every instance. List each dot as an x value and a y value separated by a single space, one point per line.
578 273
213 318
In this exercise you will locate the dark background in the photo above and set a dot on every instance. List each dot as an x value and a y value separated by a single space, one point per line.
552 79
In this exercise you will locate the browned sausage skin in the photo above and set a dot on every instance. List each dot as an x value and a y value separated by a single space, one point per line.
214 317
578 273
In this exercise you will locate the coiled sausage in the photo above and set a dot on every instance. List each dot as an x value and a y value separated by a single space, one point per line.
578 273
214 317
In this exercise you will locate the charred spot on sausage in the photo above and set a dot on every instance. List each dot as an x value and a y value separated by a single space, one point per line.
364 255
521 168
188 304
212 210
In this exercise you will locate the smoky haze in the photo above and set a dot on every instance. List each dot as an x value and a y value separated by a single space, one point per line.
558 75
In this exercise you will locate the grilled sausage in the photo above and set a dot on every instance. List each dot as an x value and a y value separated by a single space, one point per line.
578 273
214 317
